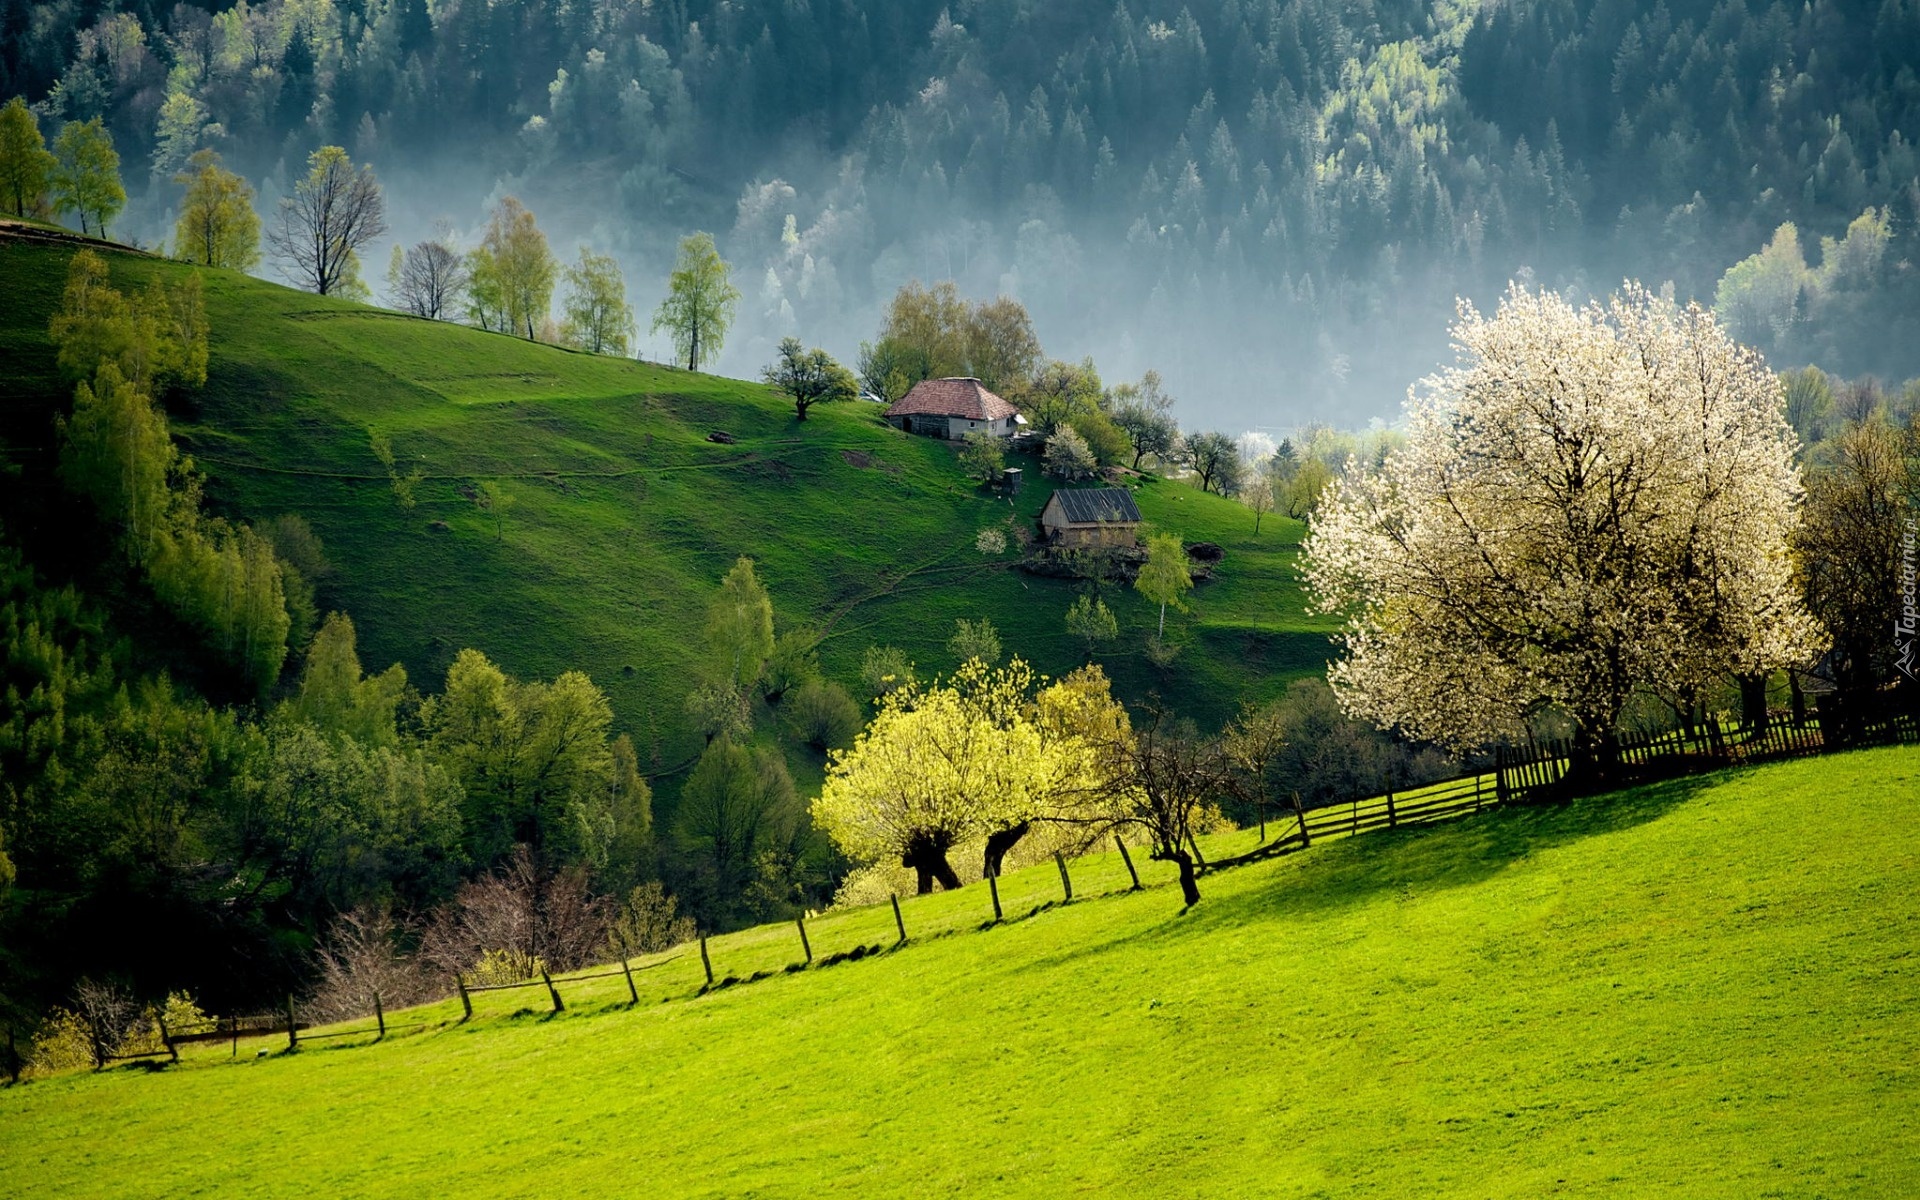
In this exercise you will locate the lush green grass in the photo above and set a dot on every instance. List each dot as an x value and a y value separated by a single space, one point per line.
1700 989
624 516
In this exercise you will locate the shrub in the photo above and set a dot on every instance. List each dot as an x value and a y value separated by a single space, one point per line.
982 456
647 922
795 660
975 639
63 1043
1068 456
822 715
885 669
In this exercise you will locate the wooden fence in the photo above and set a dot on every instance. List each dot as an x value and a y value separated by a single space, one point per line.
1520 775
1539 771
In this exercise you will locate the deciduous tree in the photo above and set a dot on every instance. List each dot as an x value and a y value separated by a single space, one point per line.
1215 458
217 225
1092 622
701 301
1598 501
429 280
333 212
810 377
598 318
26 166
86 175
523 266
1860 493
1164 578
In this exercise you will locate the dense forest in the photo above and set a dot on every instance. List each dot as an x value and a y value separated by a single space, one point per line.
1288 193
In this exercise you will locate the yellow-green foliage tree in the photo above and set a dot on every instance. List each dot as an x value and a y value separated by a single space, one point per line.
116 452
598 318
218 226
1164 577
535 761
86 175
701 301
522 265
980 756
26 167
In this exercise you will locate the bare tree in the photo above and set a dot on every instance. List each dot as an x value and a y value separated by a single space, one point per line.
429 280
110 1014
361 964
1166 778
332 213
522 910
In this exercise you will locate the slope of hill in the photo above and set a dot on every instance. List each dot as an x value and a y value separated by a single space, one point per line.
1698 989
624 515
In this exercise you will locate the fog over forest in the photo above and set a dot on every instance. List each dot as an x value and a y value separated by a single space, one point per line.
1272 202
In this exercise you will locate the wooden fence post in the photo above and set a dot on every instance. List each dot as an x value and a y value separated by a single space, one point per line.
1195 847
633 993
1066 882
897 922
552 991
705 961
233 1027
380 1017
993 887
293 1026
805 946
1300 815
1393 818
1263 820
166 1038
1127 859
466 1002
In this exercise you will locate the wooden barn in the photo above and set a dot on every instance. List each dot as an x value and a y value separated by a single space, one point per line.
1076 517
953 408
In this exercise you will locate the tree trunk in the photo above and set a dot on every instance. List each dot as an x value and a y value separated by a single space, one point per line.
928 859
1799 699
1001 841
1753 702
1189 882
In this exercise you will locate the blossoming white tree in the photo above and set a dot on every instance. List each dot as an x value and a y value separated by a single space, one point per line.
1595 501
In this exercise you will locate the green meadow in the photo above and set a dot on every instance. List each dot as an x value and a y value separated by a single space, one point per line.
623 515
1705 988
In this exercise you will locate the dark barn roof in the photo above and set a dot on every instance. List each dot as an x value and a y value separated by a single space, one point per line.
1098 506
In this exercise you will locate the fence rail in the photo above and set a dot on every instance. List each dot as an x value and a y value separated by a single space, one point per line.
1536 772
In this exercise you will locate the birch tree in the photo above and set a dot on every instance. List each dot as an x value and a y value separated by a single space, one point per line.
701 301
1594 502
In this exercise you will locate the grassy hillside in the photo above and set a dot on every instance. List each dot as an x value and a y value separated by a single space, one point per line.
1695 990
624 516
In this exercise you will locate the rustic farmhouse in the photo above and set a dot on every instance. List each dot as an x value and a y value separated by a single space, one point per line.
953 408
1091 517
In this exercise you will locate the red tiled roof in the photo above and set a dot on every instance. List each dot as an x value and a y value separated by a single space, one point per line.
964 398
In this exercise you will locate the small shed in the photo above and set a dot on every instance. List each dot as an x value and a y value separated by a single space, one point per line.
953 408
1077 517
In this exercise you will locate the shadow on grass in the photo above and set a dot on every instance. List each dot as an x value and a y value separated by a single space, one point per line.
1334 876
1448 854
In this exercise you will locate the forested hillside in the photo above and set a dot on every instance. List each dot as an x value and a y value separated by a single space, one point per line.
1288 192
